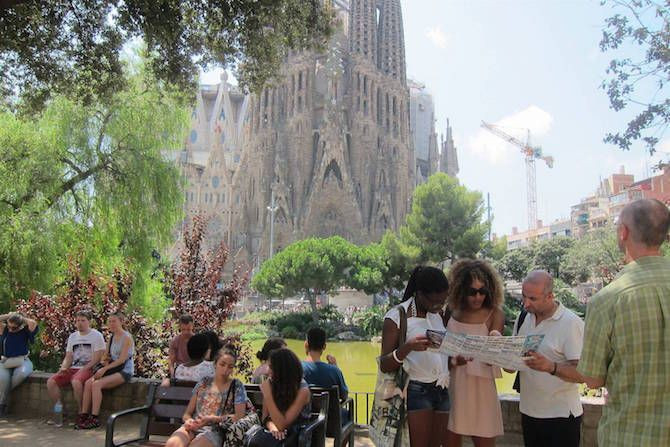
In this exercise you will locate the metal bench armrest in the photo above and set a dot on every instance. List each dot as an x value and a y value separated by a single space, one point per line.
111 421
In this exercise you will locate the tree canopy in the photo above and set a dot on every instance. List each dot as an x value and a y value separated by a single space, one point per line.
310 267
75 47
445 222
638 83
89 181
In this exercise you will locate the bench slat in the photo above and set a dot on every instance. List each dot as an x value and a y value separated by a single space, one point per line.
168 411
175 393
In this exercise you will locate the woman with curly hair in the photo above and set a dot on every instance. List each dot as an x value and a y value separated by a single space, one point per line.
286 402
475 301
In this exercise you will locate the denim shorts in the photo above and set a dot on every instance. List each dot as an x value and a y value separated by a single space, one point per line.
427 396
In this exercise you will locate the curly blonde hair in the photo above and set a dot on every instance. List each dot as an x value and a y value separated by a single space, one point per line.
461 276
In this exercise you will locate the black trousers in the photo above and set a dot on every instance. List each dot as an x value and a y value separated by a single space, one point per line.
551 432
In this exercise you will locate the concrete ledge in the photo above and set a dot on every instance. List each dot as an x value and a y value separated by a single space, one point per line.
512 420
31 399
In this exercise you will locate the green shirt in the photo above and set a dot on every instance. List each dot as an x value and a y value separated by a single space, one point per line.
627 342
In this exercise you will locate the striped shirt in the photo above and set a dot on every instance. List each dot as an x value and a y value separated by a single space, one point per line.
627 342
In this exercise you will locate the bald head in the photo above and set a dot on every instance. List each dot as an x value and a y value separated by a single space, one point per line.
541 278
648 221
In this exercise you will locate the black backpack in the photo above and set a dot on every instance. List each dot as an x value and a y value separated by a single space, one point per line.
517 383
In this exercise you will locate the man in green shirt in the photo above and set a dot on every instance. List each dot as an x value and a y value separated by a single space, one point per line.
627 334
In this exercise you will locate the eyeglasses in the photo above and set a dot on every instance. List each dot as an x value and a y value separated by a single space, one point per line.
482 291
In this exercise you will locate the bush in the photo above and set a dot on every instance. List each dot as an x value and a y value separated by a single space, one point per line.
298 323
370 320
291 332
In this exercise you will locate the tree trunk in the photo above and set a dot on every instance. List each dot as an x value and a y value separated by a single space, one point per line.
312 303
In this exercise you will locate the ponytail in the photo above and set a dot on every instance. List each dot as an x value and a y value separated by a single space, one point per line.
410 290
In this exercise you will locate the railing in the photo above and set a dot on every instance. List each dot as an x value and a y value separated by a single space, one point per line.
362 406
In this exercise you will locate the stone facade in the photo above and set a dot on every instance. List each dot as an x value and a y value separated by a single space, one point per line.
328 143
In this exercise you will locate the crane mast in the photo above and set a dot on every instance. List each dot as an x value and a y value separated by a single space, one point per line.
530 154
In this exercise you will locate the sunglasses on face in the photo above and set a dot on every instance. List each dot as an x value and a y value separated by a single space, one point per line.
482 291
13 328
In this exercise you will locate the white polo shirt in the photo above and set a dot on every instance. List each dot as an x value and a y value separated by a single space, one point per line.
543 395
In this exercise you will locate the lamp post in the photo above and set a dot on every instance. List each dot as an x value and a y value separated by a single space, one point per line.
273 209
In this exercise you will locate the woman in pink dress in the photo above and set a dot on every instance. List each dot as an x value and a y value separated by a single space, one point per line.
475 301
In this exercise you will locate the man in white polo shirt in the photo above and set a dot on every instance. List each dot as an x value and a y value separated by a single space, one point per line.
550 405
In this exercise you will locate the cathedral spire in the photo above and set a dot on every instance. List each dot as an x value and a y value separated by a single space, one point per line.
363 28
391 57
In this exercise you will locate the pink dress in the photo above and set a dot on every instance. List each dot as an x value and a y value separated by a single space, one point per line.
475 408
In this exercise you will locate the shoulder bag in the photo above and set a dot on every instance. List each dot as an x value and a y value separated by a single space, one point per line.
388 423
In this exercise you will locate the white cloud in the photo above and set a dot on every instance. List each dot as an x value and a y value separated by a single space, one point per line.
498 151
438 37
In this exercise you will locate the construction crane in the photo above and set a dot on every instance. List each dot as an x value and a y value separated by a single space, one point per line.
531 154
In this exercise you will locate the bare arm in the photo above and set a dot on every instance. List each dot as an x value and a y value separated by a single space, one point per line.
32 324
190 408
497 321
566 371
95 358
390 339
67 361
172 359
284 420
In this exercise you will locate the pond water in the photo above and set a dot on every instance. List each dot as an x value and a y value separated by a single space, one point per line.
357 360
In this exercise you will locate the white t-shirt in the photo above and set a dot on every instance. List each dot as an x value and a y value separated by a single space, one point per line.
82 347
543 395
422 366
194 373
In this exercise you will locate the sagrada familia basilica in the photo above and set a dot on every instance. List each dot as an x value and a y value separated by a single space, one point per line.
327 150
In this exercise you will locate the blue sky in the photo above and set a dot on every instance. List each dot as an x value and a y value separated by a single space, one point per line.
525 63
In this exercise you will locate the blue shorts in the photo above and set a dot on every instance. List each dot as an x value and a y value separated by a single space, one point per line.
427 396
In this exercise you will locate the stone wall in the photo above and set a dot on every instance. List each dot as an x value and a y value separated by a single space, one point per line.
31 400
512 420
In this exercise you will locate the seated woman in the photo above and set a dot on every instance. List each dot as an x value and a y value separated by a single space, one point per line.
219 413
197 368
263 355
116 369
286 402
15 366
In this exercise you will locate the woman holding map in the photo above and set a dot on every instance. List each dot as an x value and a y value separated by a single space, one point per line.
428 371
475 301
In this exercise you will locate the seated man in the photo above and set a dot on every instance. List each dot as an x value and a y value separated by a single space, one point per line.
178 352
318 373
84 349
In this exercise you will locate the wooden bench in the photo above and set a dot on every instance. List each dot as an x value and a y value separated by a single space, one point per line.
314 434
340 431
165 406
161 415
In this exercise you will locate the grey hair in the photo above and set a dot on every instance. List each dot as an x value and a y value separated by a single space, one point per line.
648 221
17 319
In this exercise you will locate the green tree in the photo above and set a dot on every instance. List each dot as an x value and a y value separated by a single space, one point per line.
445 222
89 181
593 257
75 47
516 263
311 267
549 253
638 82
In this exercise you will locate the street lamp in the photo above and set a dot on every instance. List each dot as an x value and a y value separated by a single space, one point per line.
273 209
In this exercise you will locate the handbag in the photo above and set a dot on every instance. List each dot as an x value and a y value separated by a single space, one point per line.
95 368
388 422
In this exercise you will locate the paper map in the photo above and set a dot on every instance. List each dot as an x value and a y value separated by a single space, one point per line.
506 352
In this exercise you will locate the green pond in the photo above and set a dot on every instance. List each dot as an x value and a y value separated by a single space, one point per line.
357 360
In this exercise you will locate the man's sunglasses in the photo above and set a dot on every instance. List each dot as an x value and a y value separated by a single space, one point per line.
482 291
13 328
